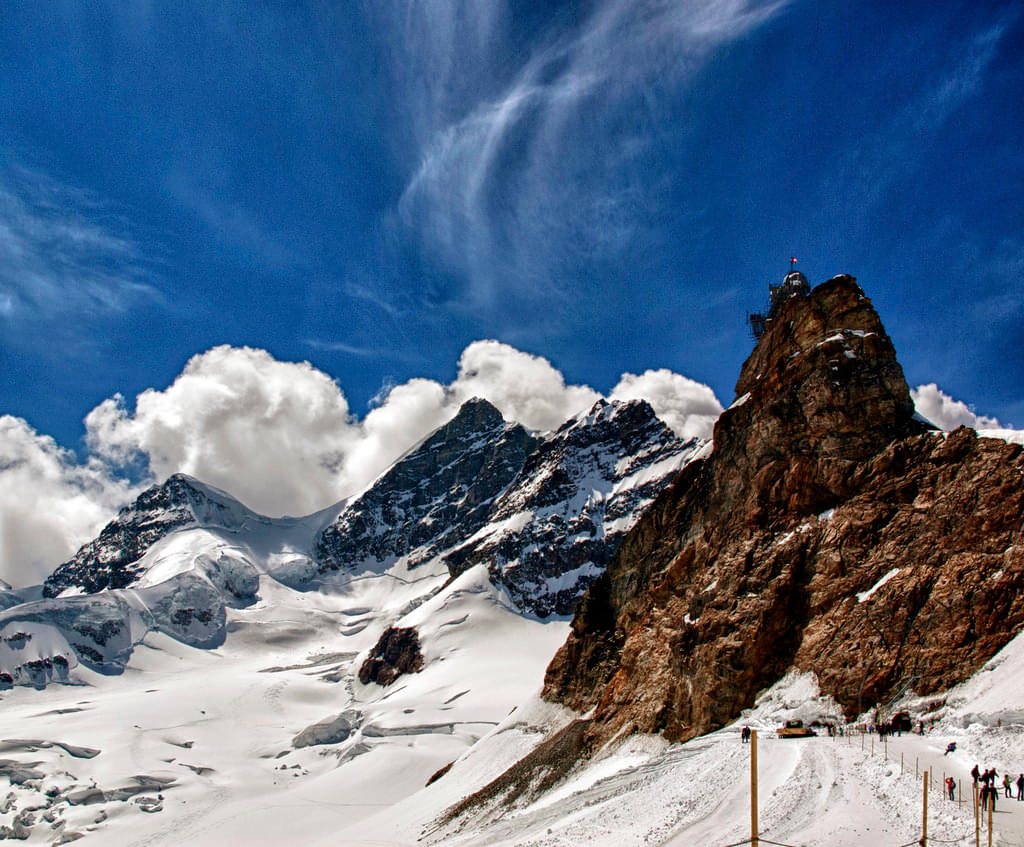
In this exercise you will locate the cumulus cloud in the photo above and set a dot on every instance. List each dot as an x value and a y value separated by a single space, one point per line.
690 408
50 503
277 435
526 388
945 412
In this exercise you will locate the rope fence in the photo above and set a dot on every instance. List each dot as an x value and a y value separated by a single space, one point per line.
915 843
756 839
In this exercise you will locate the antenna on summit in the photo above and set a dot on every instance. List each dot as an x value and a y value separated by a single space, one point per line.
793 285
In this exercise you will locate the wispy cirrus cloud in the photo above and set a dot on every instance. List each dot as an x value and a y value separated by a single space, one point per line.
62 250
527 156
886 153
963 78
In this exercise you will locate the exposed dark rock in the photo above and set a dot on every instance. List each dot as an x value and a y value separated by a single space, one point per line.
396 652
433 498
440 772
770 553
553 531
545 515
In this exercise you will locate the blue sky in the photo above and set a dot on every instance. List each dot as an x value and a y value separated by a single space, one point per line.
372 186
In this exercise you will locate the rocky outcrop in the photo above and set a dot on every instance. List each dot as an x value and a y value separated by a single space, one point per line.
396 652
827 530
111 559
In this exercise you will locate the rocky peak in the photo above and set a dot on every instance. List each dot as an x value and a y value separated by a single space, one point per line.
434 497
825 530
821 392
554 529
110 560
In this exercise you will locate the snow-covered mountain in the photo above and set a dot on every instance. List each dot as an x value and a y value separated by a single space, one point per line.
433 498
191 620
544 513
114 558
553 530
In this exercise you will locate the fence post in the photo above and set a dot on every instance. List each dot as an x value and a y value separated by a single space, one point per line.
977 823
924 813
753 788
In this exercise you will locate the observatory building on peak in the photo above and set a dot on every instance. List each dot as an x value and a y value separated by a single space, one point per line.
794 284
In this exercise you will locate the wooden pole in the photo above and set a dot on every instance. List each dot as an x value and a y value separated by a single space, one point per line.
753 788
924 813
977 823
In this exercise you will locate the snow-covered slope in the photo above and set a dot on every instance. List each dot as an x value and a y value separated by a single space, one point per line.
211 656
213 746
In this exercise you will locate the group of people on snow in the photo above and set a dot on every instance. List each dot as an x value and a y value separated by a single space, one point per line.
988 780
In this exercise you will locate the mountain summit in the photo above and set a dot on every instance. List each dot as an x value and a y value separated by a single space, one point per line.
827 530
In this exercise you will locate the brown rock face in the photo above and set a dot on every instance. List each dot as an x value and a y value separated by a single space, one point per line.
396 652
827 530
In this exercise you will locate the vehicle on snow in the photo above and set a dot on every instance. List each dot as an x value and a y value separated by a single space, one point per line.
795 729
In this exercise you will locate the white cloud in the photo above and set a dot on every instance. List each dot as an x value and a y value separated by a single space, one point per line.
406 415
526 388
279 436
274 434
945 412
690 408
49 502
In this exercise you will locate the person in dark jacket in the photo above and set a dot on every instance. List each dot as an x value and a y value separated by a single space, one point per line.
1020 787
